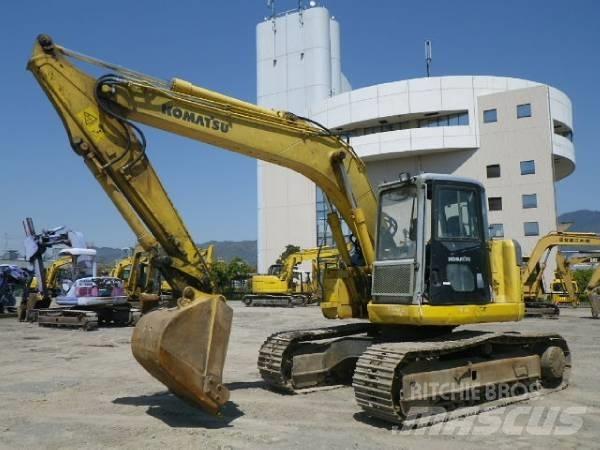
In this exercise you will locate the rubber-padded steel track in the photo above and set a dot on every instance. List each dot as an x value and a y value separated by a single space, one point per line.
276 353
282 301
541 309
377 378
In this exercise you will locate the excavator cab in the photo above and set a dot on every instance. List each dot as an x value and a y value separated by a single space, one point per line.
432 245
433 254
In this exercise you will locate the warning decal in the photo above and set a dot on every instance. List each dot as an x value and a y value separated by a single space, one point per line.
89 116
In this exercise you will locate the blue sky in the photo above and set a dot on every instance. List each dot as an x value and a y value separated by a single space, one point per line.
213 44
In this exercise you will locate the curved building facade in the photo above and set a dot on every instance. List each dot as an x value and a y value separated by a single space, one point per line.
513 135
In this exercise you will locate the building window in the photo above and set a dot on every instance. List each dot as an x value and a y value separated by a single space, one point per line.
562 129
401 123
490 115
531 228
529 201
449 120
524 110
567 134
495 203
496 230
493 171
528 167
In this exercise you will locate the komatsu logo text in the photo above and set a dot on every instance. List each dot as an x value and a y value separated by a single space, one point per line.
195 118
459 259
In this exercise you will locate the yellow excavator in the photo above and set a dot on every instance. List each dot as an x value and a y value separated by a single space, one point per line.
565 289
53 272
122 267
208 254
143 283
421 262
279 287
536 299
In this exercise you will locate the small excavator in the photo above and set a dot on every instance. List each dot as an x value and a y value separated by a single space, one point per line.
122 267
537 301
85 299
143 282
421 263
565 289
280 287
53 276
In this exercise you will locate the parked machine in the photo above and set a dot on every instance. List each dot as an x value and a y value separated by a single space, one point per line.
12 279
209 258
564 289
420 265
537 300
82 300
122 267
284 285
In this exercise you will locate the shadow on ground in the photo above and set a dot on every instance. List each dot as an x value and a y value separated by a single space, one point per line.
179 414
378 423
236 385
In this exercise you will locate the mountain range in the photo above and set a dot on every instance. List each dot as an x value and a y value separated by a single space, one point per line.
582 220
224 250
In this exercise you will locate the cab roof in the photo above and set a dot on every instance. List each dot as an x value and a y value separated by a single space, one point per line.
424 177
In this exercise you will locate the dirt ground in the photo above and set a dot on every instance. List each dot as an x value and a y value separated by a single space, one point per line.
67 388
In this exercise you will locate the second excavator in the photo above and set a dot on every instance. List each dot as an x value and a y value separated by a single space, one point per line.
421 263
283 285
537 301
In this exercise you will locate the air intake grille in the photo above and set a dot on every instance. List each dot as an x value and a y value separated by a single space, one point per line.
394 279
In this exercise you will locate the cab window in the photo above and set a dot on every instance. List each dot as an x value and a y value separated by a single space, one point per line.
397 233
457 214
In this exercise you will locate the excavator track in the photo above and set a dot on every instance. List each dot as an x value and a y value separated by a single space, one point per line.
541 309
282 301
276 353
378 384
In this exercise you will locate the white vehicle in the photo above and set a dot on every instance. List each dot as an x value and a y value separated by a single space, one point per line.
94 291
85 298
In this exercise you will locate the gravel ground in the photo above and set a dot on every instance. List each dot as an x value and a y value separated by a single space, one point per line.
69 388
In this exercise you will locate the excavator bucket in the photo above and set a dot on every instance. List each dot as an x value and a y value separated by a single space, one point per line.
185 348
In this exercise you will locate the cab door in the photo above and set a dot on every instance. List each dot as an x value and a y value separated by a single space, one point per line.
457 254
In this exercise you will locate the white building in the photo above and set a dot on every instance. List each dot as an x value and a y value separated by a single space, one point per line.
513 135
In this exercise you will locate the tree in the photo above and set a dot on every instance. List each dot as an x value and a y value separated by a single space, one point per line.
582 277
289 249
225 274
238 269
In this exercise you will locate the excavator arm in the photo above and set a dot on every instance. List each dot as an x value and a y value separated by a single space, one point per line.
98 116
290 263
564 274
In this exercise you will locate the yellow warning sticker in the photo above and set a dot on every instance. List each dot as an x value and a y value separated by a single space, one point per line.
90 118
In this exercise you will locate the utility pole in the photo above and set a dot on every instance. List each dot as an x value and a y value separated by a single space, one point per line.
428 57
